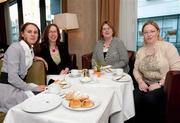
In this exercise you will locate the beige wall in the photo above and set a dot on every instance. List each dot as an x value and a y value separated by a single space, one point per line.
82 40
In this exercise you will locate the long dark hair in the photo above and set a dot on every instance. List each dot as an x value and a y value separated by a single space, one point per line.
45 39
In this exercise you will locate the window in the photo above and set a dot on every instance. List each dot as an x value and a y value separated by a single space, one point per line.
14 22
49 16
52 8
22 11
31 12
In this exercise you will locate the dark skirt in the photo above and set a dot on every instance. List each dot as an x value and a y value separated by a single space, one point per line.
149 106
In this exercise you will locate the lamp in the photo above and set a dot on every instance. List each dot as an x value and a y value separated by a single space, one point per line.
66 21
2 1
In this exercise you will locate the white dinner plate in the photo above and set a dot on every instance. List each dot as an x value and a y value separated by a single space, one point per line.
125 78
60 94
41 103
65 103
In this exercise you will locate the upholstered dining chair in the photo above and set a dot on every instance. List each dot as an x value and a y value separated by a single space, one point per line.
132 57
73 61
172 93
86 61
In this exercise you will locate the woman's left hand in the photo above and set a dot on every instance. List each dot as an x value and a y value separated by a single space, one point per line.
65 71
154 86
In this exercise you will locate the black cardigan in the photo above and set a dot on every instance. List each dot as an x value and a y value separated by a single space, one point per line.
53 68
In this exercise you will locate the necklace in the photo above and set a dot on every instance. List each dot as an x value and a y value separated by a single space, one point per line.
53 50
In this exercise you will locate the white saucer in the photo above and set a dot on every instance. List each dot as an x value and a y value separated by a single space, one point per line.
85 79
78 75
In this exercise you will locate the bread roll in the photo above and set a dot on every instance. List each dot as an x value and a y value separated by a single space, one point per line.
87 103
75 103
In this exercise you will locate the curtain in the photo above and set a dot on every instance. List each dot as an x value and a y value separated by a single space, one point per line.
127 25
109 10
3 39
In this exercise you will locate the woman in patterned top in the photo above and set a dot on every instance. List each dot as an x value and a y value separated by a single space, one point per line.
153 61
110 50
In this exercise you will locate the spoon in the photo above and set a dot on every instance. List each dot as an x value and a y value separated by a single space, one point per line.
120 77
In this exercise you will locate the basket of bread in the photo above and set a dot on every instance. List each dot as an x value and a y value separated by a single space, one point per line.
80 101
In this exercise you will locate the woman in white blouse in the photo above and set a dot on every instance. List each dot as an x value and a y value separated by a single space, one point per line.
17 60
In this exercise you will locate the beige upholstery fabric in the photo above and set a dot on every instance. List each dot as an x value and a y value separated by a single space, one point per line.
2 115
36 74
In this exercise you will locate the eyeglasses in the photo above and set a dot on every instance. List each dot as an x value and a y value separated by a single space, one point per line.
52 31
149 32
104 29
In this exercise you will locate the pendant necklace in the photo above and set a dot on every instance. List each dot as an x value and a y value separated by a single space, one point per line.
53 50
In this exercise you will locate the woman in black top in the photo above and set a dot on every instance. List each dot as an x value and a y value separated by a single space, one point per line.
54 52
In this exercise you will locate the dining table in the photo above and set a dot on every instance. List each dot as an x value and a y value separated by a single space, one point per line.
114 102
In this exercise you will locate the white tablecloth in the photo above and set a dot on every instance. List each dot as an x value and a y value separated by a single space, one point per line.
64 115
116 101
123 92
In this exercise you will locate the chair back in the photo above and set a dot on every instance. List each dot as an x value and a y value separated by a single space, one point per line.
36 73
73 61
172 94
131 55
1 63
86 61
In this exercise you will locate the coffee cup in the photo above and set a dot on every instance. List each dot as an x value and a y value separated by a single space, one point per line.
53 88
74 72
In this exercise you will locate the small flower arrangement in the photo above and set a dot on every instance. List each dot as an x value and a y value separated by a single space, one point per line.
97 68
